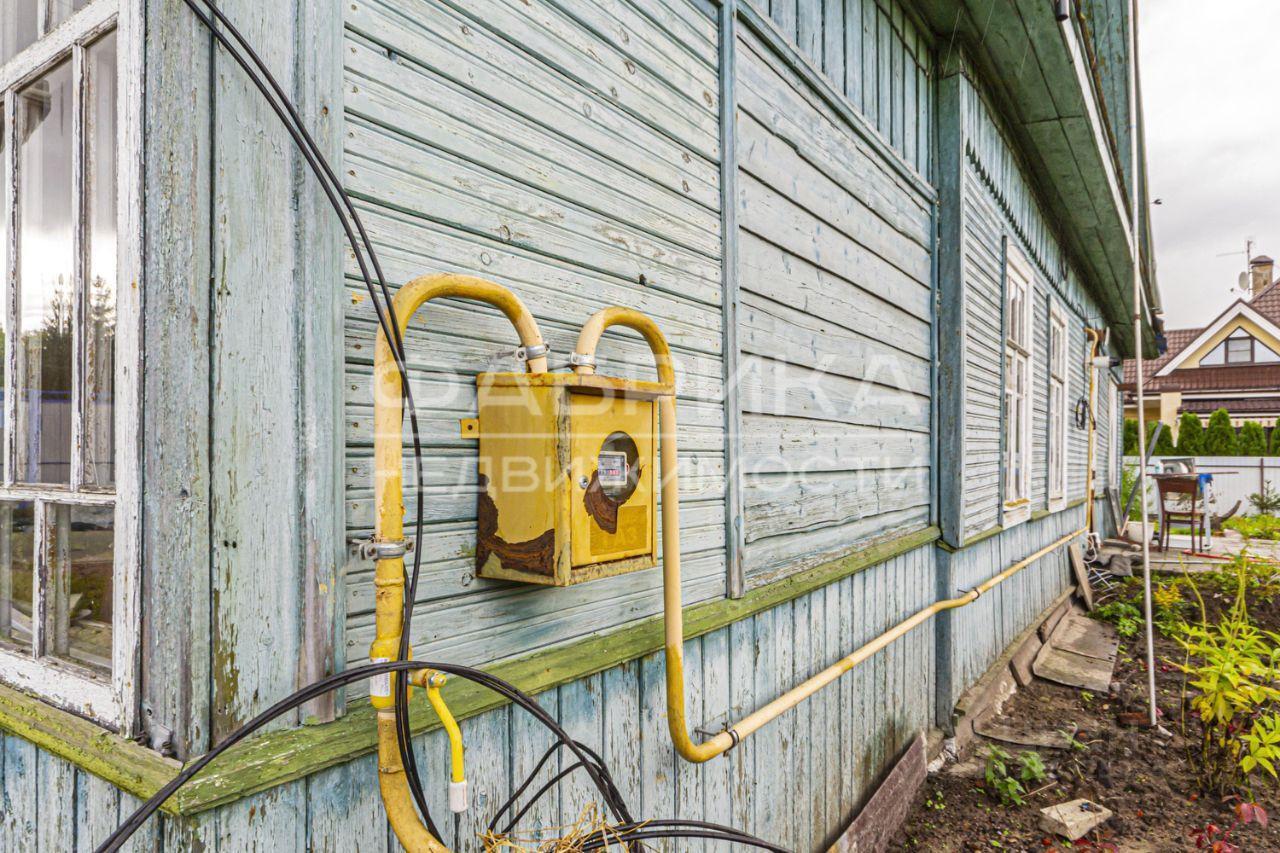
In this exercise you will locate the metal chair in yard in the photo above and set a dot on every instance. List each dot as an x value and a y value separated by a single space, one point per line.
1181 502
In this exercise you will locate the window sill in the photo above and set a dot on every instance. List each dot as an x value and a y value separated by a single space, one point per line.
125 764
1056 505
1015 513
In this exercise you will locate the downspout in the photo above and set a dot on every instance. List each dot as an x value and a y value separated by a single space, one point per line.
389 523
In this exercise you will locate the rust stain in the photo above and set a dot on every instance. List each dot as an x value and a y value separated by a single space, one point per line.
600 506
534 555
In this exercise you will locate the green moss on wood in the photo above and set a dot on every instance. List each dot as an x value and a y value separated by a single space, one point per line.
121 762
279 757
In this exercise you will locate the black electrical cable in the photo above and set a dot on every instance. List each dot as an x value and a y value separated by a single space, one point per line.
342 205
288 116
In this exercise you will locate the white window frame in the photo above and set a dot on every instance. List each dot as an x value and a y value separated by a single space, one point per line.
112 702
1018 347
1058 381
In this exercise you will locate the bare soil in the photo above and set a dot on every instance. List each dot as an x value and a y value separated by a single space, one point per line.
1147 780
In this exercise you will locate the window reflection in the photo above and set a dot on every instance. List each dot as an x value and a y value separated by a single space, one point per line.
45 281
18 26
100 298
17 579
80 544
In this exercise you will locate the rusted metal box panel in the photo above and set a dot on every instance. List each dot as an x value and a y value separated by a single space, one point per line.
567 477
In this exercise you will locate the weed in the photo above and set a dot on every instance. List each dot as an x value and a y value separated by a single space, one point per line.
1235 667
1216 839
1126 617
1006 785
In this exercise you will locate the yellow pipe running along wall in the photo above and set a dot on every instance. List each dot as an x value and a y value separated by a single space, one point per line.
389 576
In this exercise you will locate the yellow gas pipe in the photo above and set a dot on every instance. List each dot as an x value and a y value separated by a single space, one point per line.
389 530
1095 339
389 534
673 608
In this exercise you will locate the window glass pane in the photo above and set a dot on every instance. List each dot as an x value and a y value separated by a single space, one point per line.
80 544
100 299
18 20
1217 355
45 255
1239 350
60 10
17 538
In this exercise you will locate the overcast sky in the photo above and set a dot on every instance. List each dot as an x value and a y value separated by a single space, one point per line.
1210 74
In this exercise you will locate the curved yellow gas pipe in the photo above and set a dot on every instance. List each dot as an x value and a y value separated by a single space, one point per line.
677 724
1095 340
388 534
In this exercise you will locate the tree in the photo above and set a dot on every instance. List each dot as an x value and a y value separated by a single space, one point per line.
1253 441
1190 435
1131 437
1275 441
1220 438
1164 444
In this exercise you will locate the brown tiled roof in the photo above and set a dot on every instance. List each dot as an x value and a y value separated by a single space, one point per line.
1177 338
1236 377
1266 303
1235 405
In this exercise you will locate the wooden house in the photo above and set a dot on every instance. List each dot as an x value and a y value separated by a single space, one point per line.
874 232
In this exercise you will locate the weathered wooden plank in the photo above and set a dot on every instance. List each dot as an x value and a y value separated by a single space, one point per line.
657 757
538 93
407 100
717 776
779 506
345 811
175 335
743 664
778 388
581 711
97 811
55 786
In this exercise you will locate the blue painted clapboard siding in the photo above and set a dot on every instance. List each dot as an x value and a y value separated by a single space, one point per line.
568 151
875 53
834 328
797 781
980 632
998 205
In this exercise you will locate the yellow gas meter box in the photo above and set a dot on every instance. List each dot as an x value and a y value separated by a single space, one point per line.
567 476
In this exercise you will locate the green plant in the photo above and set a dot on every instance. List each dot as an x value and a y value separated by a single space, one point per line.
1220 438
1007 778
1234 667
1190 435
1130 437
1256 526
1163 443
1274 446
1267 501
1253 441
1128 480
1122 614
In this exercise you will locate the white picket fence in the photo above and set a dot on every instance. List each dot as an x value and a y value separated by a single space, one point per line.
1235 478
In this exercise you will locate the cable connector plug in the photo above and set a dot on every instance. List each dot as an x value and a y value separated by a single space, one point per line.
458 796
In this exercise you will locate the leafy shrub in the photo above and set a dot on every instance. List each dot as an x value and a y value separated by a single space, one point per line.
1252 441
1131 436
1275 442
1255 526
1164 443
1190 435
1235 668
1220 439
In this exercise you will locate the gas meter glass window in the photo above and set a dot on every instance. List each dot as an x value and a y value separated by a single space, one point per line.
617 467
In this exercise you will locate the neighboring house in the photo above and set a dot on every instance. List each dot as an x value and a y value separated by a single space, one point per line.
886 224
1232 363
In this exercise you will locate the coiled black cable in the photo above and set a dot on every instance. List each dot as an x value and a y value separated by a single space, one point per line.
287 113
586 757
348 216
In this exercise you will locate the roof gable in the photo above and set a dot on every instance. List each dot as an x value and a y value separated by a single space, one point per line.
1239 314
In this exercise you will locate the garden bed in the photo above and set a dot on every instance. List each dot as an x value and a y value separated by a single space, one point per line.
1151 782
